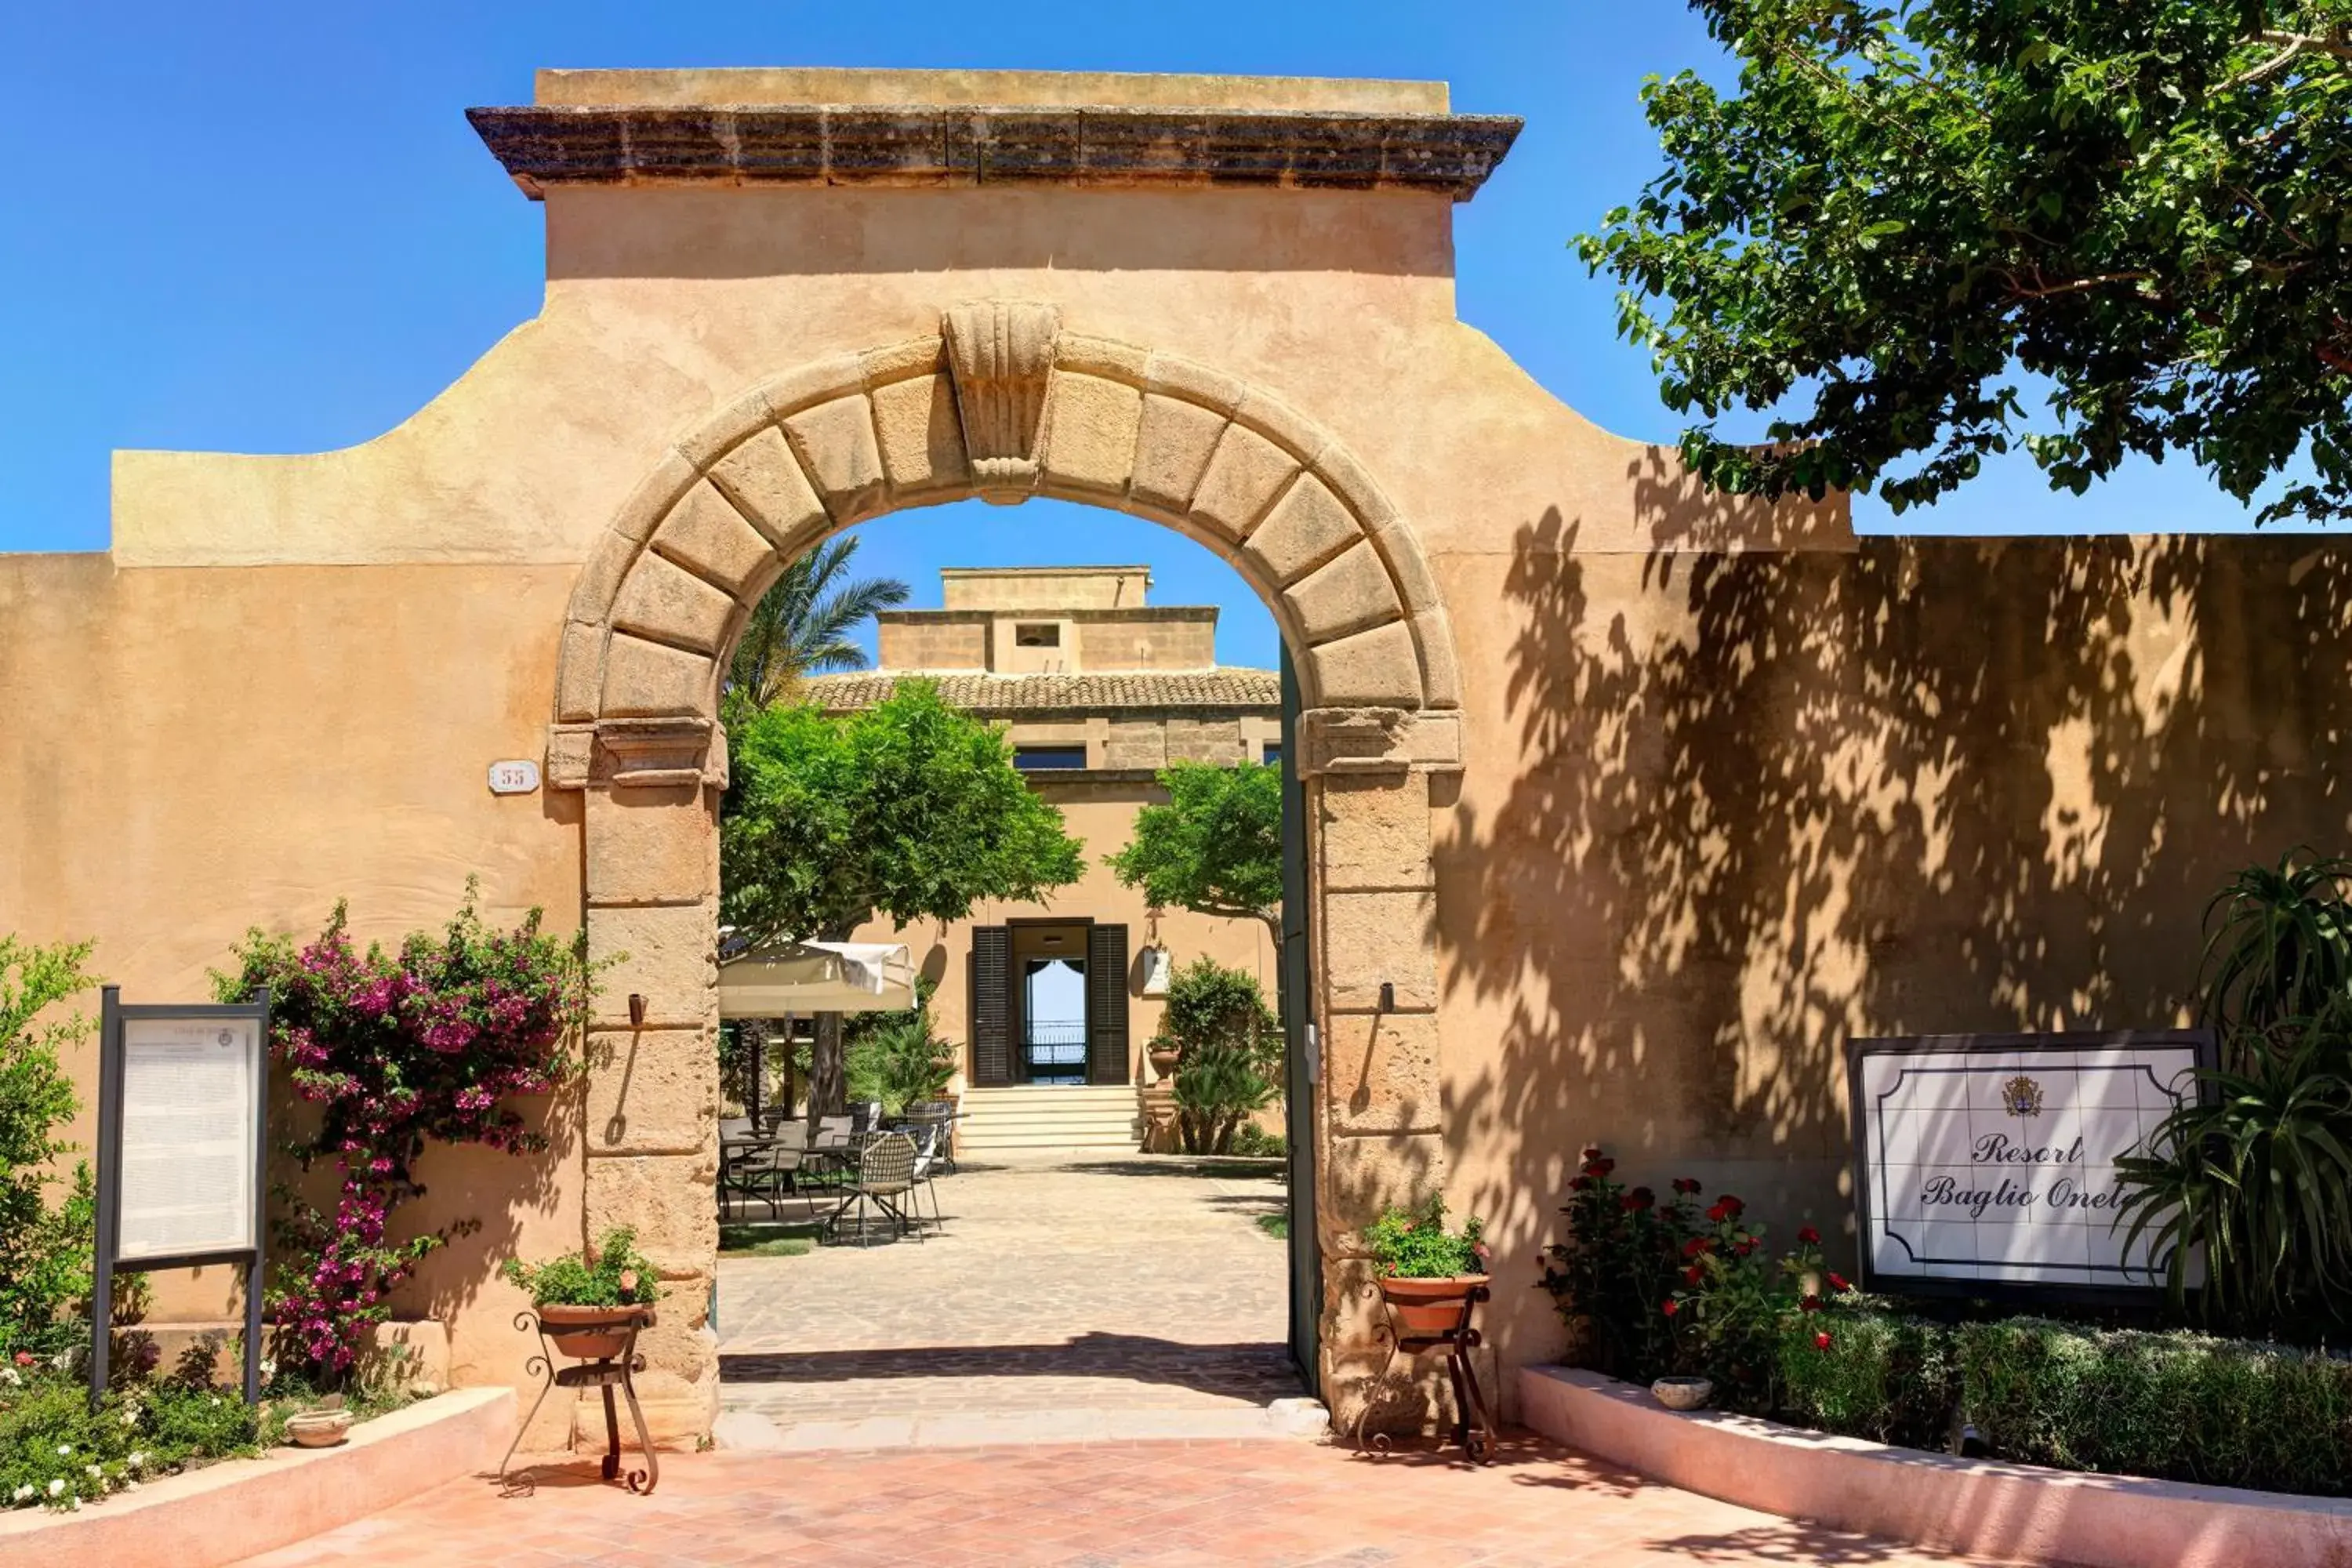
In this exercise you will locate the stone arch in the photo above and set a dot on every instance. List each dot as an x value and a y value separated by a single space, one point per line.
1001 404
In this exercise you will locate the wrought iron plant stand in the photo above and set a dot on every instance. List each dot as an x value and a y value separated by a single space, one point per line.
604 1372
1474 1428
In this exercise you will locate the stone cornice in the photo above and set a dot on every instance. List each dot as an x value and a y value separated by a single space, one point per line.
919 144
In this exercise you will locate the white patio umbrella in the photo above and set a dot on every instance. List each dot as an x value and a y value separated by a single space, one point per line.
792 980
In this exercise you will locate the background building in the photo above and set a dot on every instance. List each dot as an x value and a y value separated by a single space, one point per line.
1098 690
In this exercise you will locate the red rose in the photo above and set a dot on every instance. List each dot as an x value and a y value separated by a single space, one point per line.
1718 1213
1591 1153
1671 1308
1599 1167
1747 1245
1809 1304
1730 1205
1581 1184
1697 1245
1810 1237
1837 1281
1695 1274
1637 1200
1821 1342
1685 1185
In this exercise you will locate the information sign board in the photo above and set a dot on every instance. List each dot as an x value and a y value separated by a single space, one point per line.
1985 1165
181 1121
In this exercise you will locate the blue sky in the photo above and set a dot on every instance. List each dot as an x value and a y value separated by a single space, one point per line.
267 227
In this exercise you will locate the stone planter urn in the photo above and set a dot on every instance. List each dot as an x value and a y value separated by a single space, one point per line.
1163 1062
1683 1392
319 1428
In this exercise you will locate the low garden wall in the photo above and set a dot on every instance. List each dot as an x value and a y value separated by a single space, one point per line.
1989 1508
236 1508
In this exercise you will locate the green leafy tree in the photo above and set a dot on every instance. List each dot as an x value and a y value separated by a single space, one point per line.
802 626
909 809
1215 847
45 1252
1904 206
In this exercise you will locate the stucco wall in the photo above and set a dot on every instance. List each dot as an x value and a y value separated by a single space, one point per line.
193 753
1725 812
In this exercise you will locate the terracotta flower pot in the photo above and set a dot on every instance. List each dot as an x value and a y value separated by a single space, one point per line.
592 1333
1163 1062
1429 1306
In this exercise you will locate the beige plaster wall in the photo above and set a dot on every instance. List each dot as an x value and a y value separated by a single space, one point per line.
193 753
1722 813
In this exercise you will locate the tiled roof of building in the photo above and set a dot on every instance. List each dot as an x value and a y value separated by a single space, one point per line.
1224 686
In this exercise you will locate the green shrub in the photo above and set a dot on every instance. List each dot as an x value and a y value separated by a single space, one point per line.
55 1452
1230 1052
45 1252
1881 1376
894 1057
2180 1406
1409 1245
2255 1177
1256 1142
617 1276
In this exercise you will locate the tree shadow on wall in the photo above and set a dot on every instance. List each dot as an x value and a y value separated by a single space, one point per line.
1769 801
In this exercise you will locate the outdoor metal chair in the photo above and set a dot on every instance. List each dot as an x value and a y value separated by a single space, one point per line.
928 1139
832 1147
940 1113
755 1168
884 1177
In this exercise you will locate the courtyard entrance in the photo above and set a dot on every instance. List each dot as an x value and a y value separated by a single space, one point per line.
1067 1298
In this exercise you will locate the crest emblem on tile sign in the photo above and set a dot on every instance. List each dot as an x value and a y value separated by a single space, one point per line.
2021 1095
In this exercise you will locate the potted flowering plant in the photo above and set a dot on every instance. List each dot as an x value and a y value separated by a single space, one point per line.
588 1303
1427 1273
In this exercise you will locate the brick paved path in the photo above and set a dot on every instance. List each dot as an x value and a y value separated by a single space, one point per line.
1166 1505
1090 1297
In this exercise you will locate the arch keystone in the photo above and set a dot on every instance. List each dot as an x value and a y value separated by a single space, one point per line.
1001 352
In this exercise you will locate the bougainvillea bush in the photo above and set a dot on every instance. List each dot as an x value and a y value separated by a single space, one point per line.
394 1049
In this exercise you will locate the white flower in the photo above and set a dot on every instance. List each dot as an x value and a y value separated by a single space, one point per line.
62 1360
130 1416
138 1456
216 1401
56 1485
12 1377
93 1472
22 1494
65 1450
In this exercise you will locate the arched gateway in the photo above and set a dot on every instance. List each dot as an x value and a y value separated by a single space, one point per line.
1001 403
1636 801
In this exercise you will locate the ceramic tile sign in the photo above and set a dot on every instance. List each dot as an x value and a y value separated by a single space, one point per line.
1985 1166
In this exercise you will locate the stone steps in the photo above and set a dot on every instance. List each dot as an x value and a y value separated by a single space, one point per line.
1048 1117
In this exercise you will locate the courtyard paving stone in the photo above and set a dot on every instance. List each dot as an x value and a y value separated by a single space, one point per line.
1123 1505
1085 1297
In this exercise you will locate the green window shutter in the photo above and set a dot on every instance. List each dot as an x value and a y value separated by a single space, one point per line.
1106 1057
991 1006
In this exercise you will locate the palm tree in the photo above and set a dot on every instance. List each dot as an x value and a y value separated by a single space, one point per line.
801 626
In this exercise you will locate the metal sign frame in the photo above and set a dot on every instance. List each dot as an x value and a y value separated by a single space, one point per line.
114 1012
2205 1052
